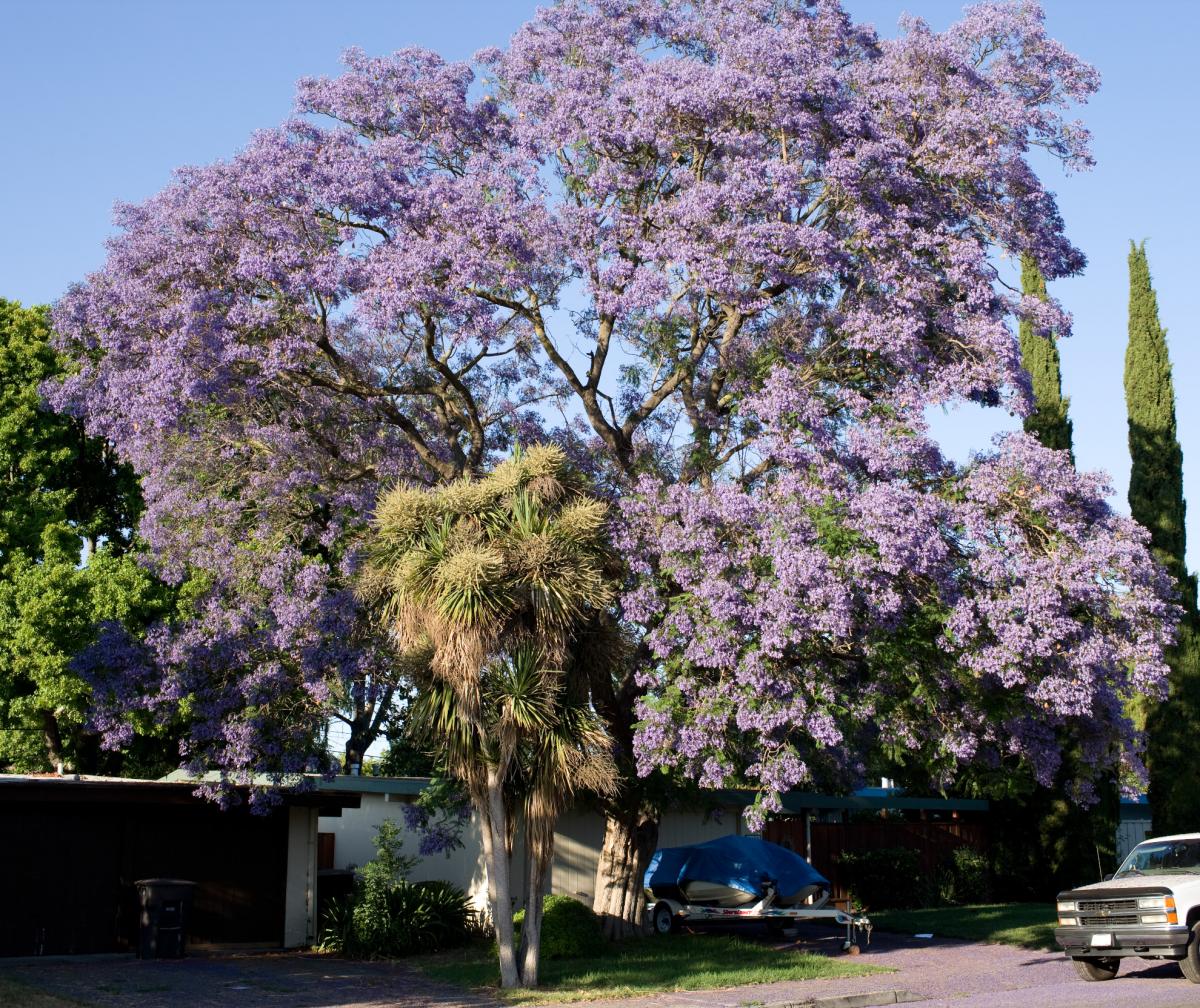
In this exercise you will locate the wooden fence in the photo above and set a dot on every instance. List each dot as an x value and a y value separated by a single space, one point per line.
933 841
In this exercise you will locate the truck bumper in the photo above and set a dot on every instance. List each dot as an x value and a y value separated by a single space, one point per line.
1169 942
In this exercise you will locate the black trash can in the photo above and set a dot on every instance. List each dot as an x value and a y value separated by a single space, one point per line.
166 904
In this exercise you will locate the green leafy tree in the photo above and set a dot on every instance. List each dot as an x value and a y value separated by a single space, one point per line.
1156 501
67 509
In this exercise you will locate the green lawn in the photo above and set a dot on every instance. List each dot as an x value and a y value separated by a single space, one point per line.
1027 925
646 966
13 993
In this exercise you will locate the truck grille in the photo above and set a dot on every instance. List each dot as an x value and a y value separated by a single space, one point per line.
1108 920
1114 906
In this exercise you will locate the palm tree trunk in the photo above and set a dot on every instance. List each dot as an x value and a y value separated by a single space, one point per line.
630 838
541 854
499 869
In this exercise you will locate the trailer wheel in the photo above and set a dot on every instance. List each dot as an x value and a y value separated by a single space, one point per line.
662 919
775 926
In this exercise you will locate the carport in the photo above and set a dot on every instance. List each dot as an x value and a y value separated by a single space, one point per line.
73 847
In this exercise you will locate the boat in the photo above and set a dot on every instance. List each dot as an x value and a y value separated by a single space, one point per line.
734 871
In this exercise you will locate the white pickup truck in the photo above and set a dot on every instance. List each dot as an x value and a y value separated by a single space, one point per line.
1150 909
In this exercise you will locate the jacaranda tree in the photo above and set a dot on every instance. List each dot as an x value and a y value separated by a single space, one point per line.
726 253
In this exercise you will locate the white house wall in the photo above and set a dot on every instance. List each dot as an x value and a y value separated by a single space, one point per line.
577 845
354 835
580 837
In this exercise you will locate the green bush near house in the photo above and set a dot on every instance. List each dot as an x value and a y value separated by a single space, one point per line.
885 878
965 878
569 929
388 916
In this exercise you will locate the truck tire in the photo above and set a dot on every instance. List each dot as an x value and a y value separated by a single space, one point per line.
662 919
1190 963
1097 969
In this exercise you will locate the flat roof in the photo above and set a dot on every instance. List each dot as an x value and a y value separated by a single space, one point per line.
169 790
795 802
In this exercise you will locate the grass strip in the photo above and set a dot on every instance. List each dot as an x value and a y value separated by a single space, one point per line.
15 993
1026 925
677 962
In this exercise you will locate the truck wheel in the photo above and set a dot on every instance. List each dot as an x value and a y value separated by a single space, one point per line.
1190 963
1097 969
662 919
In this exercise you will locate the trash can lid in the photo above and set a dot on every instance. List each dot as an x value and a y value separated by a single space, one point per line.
163 882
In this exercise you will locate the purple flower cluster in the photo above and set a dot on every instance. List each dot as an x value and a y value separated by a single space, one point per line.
854 600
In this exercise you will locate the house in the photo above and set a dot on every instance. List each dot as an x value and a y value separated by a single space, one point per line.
74 847
814 825
347 841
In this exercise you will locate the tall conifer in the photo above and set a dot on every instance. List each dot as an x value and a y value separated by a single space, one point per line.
1048 422
1156 501
1156 474
1073 844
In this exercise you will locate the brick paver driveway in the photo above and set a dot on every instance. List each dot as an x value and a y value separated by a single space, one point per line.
270 981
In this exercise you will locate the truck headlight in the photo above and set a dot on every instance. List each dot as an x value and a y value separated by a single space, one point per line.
1152 902
1154 918
1066 905
1066 921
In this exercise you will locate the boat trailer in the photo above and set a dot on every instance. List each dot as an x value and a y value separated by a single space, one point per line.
668 914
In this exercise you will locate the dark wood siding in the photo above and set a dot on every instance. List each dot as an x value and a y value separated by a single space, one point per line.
67 872
933 841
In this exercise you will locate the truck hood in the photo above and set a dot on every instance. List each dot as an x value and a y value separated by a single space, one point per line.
1188 885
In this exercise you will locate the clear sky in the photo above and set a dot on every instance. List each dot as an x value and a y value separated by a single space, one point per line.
103 98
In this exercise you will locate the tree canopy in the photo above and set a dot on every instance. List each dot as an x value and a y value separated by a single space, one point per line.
725 255
67 511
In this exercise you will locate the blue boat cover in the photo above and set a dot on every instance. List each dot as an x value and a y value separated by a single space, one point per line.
740 862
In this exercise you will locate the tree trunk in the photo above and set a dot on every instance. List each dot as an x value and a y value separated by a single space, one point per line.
531 930
355 752
630 839
53 741
499 869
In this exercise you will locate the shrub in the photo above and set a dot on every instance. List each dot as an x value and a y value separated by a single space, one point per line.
887 878
569 929
965 877
389 916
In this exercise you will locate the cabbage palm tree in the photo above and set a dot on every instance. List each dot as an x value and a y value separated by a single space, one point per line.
492 578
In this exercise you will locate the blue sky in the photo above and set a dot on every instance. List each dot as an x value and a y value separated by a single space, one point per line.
103 99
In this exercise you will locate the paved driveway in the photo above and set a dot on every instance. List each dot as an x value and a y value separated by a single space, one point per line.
937 974
251 981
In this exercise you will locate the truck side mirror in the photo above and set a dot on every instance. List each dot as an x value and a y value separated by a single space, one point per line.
1107 878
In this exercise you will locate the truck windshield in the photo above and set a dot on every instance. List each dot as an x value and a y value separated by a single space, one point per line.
1169 857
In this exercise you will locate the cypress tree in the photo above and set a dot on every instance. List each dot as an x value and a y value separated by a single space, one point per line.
1156 474
1048 422
1156 501
1070 844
